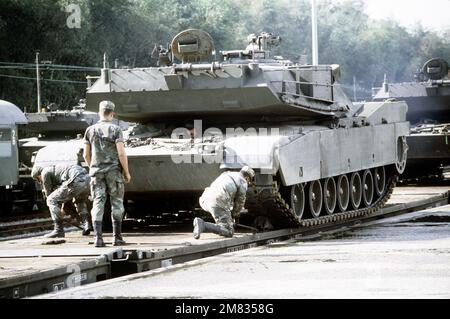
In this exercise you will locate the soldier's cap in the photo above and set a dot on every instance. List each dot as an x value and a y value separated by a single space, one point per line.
106 105
36 171
248 171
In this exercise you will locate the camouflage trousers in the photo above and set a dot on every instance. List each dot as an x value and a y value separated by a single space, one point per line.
110 183
77 189
222 217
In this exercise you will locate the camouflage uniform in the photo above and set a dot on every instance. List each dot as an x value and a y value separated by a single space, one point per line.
224 199
64 183
105 170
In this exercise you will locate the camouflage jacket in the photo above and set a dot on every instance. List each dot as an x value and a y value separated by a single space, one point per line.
54 176
103 137
228 192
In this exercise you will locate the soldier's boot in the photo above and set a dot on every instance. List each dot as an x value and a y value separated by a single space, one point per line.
218 229
199 227
117 234
58 231
87 224
98 242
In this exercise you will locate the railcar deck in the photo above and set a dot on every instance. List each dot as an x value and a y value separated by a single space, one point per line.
35 266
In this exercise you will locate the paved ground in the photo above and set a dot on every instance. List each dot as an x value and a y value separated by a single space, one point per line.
401 257
21 257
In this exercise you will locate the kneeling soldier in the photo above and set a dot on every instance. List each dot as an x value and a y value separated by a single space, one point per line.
61 184
224 199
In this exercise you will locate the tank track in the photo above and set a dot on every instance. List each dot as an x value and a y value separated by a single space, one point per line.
268 202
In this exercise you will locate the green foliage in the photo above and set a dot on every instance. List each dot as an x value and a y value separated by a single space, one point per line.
128 30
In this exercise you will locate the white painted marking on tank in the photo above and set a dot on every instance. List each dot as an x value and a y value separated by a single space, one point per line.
166 262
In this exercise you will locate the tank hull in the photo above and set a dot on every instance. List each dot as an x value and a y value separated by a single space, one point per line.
159 174
428 108
428 102
425 100
59 123
161 171
427 156
312 156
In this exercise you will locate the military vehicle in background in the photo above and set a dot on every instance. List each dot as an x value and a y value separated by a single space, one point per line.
315 152
428 99
22 135
52 126
49 127
10 117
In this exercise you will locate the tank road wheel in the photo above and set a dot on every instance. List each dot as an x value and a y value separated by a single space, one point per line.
356 190
329 195
368 188
380 180
402 154
315 198
298 200
343 193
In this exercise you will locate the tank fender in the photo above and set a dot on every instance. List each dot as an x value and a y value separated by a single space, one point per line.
258 152
61 152
384 112
333 152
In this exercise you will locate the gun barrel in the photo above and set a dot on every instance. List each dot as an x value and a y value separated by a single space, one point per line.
197 67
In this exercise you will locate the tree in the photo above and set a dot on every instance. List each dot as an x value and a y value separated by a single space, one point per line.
128 30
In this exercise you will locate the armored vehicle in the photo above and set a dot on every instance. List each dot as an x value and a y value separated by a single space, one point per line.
52 126
10 117
315 152
428 99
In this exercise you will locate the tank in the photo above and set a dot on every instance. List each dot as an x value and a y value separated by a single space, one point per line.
316 154
58 131
47 128
52 126
428 99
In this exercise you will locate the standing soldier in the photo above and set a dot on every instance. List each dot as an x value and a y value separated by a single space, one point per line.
104 152
62 183
224 199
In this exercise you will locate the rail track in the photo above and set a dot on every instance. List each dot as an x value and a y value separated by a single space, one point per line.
27 225
150 251
152 259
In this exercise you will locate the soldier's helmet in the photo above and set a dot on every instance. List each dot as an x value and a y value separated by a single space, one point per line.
248 171
36 171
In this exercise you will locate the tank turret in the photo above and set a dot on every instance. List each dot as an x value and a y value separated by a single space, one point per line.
428 97
248 83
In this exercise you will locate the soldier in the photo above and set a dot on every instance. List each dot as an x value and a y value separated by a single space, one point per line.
224 199
104 152
62 183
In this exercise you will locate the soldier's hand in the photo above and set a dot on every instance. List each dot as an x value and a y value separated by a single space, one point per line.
127 177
